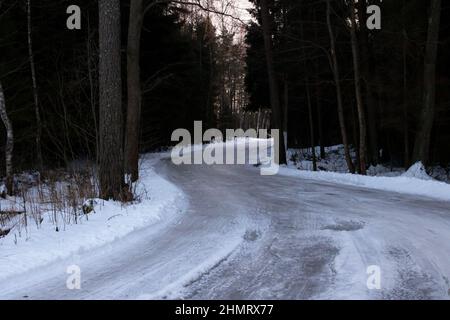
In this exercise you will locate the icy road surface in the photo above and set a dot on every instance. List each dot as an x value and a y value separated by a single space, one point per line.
246 236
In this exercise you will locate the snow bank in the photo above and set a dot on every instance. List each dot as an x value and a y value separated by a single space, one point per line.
334 161
418 171
111 221
333 168
402 184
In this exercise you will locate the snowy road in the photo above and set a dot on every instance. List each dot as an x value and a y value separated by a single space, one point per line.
247 236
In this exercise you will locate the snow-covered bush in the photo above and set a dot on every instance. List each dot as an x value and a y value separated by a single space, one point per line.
417 171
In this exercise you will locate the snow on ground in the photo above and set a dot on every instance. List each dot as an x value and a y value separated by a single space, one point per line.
30 247
333 168
175 289
407 185
248 236
334 161
417 171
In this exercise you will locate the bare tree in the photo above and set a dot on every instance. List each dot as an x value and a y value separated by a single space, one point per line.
318 92
312 138
137 14
93 94
406 151
423 136
35 89
311 124
366 68
337 80
286 112
9 143
273 84
134 89
359 100
111 172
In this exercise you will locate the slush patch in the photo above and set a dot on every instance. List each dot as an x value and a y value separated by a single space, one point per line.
252 235
345 226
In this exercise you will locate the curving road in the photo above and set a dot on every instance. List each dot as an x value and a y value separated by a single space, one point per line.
246 236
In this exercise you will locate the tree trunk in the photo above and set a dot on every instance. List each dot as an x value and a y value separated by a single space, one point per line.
320 122
209 101
366 76
322 154
9 144
92 88
405 104
309 104
286 112
355 127
134 89
359 100
110 114
423 136
337 81
311 125
37 114
273 84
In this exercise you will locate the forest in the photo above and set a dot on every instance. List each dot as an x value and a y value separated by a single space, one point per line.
313 67
116 116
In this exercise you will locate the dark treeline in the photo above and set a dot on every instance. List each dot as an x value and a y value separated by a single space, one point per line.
325 76
391 75
184 64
